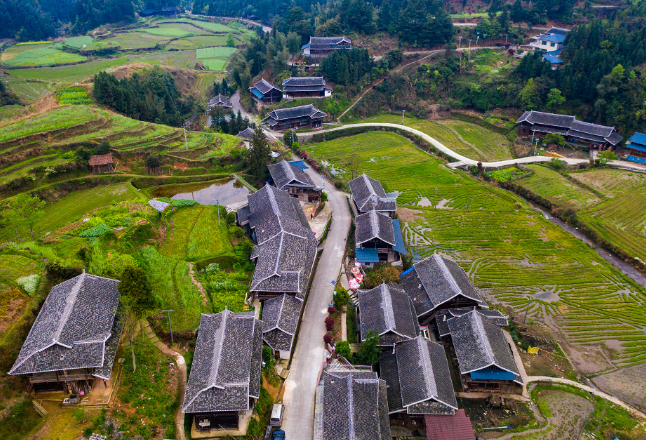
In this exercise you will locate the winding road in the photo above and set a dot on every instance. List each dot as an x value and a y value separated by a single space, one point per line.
300 386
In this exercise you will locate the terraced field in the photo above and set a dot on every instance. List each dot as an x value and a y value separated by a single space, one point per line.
510 251
554 187
467 139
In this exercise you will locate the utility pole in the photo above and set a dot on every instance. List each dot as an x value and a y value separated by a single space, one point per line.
477 38
403 113
435 198
506 35
185 139
218 203
527 309
169 326
459 40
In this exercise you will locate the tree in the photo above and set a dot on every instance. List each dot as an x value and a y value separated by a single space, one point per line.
606 156
81 155
152 162
23 211
343 349
290 137
368 353
554 98
103 148
258 154
230 41
293 44
553 138
136 293
529 95
342 297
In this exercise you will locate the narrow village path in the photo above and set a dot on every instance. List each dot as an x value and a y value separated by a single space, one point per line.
191 272
300 386
181 365
462 160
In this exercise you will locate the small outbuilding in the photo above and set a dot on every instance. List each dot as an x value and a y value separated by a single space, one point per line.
265 92
288 177
637 147
101 163
280 317
220 101
369 195
376 239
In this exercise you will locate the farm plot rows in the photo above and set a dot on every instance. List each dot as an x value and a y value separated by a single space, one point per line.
42 56
509 250
551 185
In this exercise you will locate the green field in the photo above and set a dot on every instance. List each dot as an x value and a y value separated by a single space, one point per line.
79 42
215 65
58 119
139 40
213 27
42 56
467 139
551 185
510 251
67 75
215 52
167 32
197 42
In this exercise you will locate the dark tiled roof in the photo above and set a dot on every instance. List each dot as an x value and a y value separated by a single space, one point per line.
243 214
220 101
284 173
279 320
614 138
225 372
569 126
442 324
301 111
453 427
368 194
495 316
355 406
322 43
286 246
247 133
387 309
479 343
264 86
76 328
534 117
374 225
388 372
436 280
100 159
307 84
594 129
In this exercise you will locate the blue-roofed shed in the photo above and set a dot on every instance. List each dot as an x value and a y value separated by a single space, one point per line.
637 139
300 164
637 145
367 256
399 239
257 93
556 38
553 59
492 374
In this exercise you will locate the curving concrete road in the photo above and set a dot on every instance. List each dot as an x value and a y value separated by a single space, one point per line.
462 160
300 386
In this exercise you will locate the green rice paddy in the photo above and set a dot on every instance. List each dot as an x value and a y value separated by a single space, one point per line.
79 42
167 32
42 56
215 52
508 249
214 65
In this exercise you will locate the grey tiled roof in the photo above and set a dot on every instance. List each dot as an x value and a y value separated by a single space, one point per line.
264 86
387 310
569 126
286 246
282 114
247 133
388 372
220 101
225 372
374 225
368 194
534 117
158 205
300 84
76 328
614 138
284 173
327 42
279 321
355 406
495 316
243 214
436 280
479 343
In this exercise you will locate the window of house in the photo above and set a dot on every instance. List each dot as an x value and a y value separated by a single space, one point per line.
552 44
544 43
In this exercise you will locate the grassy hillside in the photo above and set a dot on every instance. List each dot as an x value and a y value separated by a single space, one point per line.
509 250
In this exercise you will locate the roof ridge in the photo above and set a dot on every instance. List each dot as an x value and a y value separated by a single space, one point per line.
447 274
69 304
351 408
484 342
217 351
374 223
427 366
387 305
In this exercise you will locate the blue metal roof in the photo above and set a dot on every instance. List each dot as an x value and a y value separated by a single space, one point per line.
638 138
305 46
554 52
636 147
553 59
257 93
399 239
300 164
492 374
636 159
405 272
556 38
367 256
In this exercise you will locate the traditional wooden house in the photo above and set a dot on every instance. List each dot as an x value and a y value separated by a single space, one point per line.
376 239
540 124
295 181
225 374
295 117
437 284
101 163
353 405
221 101
637 147
285 244
302 87
321 47
441 320
280 317
418 381
265 92
72 345
369 195
484 356
389 312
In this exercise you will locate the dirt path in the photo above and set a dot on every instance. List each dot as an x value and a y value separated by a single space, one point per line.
181 364
191 272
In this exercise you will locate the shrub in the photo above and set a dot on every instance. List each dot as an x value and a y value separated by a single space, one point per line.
343 349
328 338
152 162
97 231
29 283
554 138
304 155
231 219
329 323
332 310
341 297
557 164
323 197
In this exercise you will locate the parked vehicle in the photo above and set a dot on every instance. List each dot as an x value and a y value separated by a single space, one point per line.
279 435
277 414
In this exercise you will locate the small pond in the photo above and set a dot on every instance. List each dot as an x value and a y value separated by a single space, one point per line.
226 192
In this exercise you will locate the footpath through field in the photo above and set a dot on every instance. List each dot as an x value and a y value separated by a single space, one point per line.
300 386
462 160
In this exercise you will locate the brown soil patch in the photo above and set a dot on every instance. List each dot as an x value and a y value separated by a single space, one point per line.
180 166
191 273
627 384
409 215
184 79
587 359
12 306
